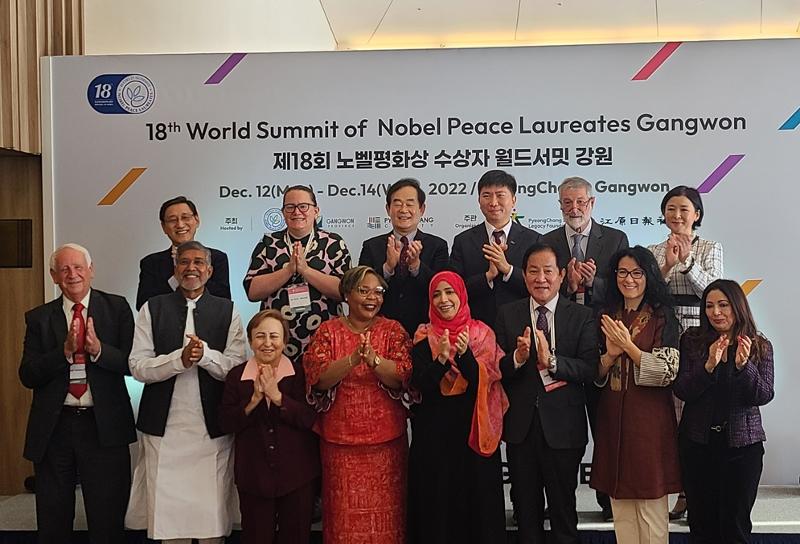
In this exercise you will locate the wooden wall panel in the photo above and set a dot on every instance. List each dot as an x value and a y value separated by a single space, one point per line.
29 30
20 290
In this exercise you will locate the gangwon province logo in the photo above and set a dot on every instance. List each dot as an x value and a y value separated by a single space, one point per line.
121 93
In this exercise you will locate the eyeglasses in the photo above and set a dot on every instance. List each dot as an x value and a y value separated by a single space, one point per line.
183 218
636 273
366 291
580 204
197 262
290 208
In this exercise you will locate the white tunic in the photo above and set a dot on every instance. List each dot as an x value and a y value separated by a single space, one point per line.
183 481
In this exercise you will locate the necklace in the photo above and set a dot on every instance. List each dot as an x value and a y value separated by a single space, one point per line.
359 330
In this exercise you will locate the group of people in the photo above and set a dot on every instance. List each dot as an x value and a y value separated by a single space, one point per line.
512 336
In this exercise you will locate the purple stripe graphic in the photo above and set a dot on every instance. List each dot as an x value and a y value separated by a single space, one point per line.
720 172
226 68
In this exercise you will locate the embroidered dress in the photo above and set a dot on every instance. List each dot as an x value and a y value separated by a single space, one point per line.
363 443
636 445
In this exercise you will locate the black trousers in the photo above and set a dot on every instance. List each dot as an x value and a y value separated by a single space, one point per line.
721 484
535 469
74 455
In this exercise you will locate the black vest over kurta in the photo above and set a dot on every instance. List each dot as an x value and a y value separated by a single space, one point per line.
212 319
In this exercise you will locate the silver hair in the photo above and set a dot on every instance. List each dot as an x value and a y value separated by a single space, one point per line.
575 182
70 245
190 245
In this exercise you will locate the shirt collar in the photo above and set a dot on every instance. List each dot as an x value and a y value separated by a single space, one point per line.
250 371
572 232
490 229
411 235
68 304
551 306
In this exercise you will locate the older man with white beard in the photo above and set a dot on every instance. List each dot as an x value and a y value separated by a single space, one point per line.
584 247
184 345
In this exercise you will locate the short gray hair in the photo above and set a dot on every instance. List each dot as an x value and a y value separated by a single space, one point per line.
70 245
190 245
575 182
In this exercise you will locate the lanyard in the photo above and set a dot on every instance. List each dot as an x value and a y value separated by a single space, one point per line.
290 244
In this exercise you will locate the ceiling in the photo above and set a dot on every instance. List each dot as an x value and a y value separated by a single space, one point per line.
378 24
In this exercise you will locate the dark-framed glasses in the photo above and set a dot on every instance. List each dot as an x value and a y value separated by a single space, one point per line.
303 207
636 273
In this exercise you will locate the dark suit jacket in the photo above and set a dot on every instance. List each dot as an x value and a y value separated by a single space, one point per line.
603 243
562 411
468 261
276 450
156 269
407 298
45 370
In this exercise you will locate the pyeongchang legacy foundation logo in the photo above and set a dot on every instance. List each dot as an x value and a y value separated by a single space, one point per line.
121 93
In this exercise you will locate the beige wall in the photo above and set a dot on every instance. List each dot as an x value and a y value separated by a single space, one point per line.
205 26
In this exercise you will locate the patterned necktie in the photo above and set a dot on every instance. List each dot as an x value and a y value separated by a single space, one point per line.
403 262
498 236
577 250
541 321
78 388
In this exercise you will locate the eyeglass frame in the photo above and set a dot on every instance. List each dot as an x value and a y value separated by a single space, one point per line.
581 205
362 291
290 208
636 273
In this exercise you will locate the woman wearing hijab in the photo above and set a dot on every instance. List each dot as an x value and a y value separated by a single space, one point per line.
455 475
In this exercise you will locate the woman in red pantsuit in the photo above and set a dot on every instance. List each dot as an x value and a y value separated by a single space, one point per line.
355 369
276 452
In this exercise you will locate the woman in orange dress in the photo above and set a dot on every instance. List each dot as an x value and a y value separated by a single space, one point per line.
356 367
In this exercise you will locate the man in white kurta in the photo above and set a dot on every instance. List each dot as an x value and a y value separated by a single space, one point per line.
183 481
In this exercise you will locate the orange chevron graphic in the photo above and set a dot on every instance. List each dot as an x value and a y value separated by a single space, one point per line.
749 285
122 185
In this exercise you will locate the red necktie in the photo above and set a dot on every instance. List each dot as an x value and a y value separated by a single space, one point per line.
78 389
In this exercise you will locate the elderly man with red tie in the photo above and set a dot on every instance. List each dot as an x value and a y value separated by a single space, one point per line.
75 360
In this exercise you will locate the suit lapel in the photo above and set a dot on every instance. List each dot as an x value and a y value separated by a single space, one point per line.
513 238
562 246
561 319
594 244
98 312
58 322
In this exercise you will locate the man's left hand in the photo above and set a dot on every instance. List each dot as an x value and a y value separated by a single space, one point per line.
92 343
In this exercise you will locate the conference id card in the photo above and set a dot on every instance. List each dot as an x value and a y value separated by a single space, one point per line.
550 383
300 297
77 372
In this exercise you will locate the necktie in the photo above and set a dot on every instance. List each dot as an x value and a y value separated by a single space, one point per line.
498 236
541 321
577 251
78 388
403 262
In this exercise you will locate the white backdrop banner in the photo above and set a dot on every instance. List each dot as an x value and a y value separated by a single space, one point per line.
231 132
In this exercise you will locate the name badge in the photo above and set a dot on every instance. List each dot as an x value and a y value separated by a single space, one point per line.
77 372
299 297
550 383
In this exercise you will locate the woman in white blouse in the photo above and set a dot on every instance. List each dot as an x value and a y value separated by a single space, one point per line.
688 264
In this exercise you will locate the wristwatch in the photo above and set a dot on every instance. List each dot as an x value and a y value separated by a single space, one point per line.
377 361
